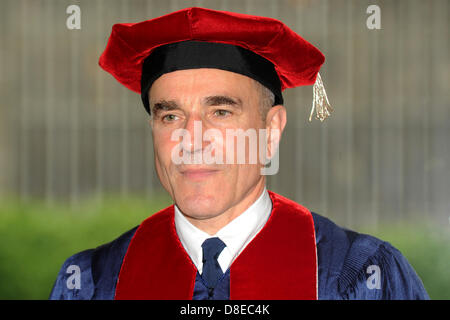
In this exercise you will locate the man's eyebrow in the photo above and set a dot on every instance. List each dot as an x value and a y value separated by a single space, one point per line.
164 105
222 100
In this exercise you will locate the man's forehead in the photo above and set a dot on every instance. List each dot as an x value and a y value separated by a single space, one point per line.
214 100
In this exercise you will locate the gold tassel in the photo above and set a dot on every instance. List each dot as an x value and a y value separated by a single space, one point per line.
320 101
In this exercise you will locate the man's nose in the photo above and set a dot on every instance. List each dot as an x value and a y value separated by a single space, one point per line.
194 143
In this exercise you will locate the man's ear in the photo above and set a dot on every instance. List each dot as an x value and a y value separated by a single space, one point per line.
275 123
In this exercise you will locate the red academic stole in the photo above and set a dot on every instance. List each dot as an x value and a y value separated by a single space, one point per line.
279 263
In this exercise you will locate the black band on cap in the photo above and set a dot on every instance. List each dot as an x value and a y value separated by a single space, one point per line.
200 54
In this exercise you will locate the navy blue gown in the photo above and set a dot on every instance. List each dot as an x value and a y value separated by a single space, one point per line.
350 266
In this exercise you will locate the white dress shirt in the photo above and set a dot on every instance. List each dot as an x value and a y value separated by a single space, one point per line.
236 235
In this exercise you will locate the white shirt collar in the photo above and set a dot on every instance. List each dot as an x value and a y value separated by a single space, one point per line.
236 235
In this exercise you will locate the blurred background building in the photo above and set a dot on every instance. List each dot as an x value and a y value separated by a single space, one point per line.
69 130
76 155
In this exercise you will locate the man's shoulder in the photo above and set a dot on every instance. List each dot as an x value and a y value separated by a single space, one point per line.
92 273
344 239
354 265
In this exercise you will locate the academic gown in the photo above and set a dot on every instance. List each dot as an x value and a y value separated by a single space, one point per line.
349 265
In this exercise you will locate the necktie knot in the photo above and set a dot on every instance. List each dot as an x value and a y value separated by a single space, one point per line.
212 272
212 248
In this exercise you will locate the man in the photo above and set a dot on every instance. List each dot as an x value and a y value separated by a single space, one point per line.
226 236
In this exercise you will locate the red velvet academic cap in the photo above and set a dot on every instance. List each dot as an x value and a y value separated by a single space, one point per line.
296 61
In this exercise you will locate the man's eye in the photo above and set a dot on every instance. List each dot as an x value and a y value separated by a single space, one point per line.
222 113
169 117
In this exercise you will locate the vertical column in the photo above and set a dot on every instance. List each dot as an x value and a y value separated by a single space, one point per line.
49 100
399 98
349 113
375 124
24 102
99 102
427 101
74 105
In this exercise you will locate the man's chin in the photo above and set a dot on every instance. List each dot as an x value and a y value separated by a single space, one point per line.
200 208
200 216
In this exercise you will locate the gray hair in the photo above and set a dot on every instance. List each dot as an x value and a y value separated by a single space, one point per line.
266 99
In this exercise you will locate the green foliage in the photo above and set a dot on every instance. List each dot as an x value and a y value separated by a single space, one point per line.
36 238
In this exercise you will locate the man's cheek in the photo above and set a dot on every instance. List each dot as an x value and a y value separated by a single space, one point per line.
164 149
162 165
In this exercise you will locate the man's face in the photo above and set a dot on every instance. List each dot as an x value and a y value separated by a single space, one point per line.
218 100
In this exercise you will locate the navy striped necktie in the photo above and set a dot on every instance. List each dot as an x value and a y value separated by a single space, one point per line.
212 272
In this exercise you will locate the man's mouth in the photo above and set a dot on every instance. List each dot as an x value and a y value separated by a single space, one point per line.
198 173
